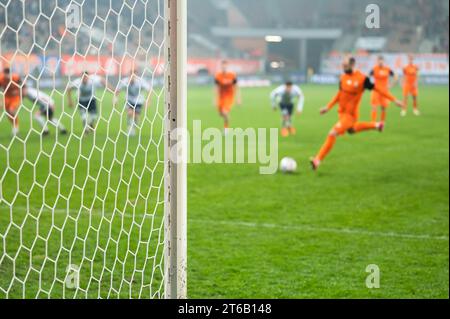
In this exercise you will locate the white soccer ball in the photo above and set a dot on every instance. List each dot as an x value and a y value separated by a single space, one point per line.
288 165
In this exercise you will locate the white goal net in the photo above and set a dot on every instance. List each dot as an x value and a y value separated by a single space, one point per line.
91 205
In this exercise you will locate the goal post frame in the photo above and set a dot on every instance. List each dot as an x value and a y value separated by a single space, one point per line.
175 208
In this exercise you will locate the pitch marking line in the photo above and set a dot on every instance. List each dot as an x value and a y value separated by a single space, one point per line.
323 229
307 228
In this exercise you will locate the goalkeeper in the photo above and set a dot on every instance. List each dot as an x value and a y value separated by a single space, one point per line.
285 95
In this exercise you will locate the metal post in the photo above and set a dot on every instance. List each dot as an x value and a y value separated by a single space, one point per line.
175 209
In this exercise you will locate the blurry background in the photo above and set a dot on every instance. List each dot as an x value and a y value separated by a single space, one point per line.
300 39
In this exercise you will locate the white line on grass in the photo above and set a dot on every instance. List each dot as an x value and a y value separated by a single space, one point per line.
322 229
307 228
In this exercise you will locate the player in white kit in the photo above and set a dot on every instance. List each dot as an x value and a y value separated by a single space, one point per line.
285 95
46 109
137 90
86 86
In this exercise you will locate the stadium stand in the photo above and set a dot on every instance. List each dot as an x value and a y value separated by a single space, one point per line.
425 31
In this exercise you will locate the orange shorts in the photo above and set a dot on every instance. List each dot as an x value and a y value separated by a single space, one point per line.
226 104
378 100
410 90
12 103
346 123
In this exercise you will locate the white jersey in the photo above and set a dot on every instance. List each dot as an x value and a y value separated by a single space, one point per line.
39 97
86 92
135 90
280 95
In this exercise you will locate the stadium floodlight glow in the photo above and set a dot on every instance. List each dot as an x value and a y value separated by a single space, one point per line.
274 38
277 65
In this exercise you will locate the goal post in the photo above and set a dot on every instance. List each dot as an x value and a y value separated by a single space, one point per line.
176 165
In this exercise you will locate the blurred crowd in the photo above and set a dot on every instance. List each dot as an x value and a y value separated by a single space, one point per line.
39 26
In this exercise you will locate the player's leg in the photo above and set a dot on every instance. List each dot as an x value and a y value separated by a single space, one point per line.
415 103
40 117
51 119
83 108
130 118
405 101
134 113
226 119
359 127
375 105
383 113
84 119
92 120
92 115
11 106
285 119
225 105
344 124
57 123
14 119
374 114
290 126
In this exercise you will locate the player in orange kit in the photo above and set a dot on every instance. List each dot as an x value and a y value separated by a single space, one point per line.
226 90
381 74
11 84
352 85
410 85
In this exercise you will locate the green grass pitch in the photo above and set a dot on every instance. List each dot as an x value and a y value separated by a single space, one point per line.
378 199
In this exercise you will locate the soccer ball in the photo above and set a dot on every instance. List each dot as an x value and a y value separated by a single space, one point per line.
288 165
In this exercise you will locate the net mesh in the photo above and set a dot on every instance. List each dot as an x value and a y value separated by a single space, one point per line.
81 192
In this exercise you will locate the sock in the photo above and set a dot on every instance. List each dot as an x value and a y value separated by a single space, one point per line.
129 123
50 114
383 115
40 119
16 123
326 148
364 126
58 125
288 123
415 104
84 120
374 115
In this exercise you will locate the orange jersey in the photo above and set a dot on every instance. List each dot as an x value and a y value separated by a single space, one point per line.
12 90
382 76
351 89
12 86
226 82
411 73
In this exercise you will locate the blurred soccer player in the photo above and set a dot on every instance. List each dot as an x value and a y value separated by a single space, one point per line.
11 84
134 86
46 109
227 89
87 103
381 74
352 85
285 95
410 85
